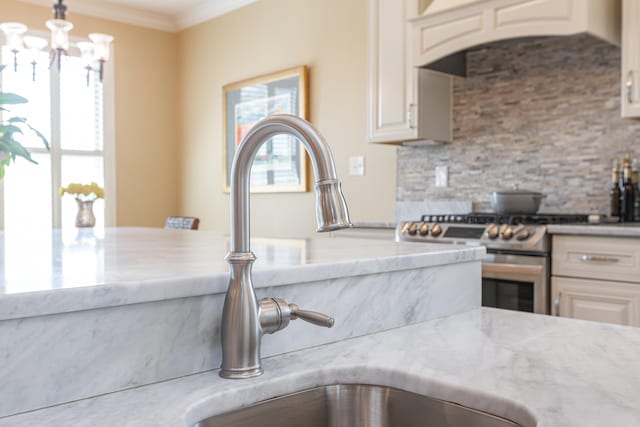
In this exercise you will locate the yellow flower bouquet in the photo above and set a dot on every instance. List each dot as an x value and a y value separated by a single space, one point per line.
83 192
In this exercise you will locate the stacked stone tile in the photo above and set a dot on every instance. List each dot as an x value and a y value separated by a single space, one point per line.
543 113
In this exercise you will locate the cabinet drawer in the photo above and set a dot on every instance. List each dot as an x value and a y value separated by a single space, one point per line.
593 257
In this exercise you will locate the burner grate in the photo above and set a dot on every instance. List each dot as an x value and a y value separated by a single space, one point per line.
492 218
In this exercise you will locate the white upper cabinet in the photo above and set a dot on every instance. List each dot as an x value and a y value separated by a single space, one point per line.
630 96
405 103
443 27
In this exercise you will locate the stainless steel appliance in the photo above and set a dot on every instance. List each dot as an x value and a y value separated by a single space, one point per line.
516 272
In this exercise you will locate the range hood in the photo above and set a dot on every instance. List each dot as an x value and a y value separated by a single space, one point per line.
445 27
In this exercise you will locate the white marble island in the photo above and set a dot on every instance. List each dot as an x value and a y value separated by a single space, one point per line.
146 348
536 370
86 315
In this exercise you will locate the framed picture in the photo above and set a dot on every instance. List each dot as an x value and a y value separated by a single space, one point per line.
281 163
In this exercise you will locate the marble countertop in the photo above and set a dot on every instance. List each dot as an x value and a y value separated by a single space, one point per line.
59 272
616 230
534 369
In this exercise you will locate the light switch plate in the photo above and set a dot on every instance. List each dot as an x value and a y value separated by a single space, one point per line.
356 165
442 176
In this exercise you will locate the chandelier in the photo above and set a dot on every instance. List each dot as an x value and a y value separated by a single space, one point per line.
93 53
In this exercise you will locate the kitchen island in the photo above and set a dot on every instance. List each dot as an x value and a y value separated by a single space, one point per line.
93 313
534 369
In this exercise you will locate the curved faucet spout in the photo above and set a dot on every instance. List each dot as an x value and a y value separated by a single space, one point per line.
331 208
244 319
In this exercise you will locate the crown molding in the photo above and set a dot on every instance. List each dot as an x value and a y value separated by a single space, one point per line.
115 12
205 10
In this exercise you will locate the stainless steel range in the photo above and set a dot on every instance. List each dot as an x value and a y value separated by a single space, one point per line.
516 272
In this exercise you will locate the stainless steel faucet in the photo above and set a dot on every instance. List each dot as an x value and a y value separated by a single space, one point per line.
244 319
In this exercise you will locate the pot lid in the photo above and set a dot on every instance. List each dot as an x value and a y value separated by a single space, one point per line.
516 190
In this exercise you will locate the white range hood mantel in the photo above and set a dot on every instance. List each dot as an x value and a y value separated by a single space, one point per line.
444 27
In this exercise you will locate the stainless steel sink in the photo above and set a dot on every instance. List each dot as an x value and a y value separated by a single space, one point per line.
355 406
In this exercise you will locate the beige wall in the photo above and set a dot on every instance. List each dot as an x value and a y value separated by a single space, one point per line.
330 37
146 116
169 116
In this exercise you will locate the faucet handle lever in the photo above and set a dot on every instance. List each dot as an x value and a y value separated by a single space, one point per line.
275 315
313 317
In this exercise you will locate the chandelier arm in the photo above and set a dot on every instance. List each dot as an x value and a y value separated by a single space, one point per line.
59 10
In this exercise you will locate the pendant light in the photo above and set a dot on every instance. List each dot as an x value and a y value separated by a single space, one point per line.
94 53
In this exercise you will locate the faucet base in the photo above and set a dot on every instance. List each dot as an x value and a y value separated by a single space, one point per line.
241 374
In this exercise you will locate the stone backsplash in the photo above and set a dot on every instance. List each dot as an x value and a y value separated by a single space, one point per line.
543 113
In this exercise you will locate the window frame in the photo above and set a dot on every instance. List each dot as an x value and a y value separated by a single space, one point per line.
56 152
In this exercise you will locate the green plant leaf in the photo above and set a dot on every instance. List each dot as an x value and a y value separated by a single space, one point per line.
16 149
40 135
34 130
7 131
11 98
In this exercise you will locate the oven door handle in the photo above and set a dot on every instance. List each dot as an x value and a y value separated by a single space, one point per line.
494 270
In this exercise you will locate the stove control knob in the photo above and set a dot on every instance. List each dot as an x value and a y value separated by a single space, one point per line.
506 232
493 231
521 232
405 228
413 228
436 230
423 229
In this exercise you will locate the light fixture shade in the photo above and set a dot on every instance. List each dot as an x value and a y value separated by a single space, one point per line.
59 33
35 45
102 43
86 53
13 32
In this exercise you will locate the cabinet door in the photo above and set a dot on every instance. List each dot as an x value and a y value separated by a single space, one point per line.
391 78
630 96
599 301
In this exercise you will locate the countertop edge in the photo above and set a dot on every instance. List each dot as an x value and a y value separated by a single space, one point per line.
613 230
57 301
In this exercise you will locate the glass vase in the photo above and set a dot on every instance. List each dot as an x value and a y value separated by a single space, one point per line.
85 217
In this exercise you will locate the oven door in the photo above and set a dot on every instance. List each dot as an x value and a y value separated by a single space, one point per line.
516 282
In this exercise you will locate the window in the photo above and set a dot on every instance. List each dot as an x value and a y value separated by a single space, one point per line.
76 118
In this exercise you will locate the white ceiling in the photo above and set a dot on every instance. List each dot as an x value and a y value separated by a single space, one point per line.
166 15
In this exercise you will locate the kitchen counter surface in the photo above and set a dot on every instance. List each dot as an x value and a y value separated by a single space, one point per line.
87 269
617 230
534 369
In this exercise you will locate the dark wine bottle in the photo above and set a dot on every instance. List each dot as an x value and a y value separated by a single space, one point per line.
627 207
635 176
614 193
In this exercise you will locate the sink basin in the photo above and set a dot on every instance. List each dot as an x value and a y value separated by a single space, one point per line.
355 406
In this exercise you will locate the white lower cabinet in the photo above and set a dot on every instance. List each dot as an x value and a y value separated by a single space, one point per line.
596 278
600 301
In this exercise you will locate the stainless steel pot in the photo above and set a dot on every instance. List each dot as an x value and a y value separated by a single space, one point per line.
516 201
